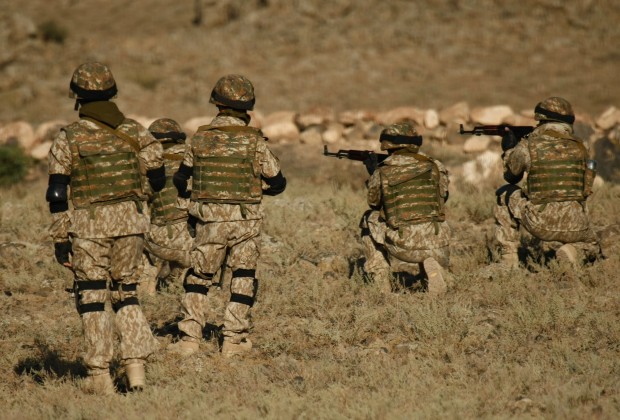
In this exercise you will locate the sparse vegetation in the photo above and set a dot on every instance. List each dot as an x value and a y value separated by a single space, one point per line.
14 165
52 31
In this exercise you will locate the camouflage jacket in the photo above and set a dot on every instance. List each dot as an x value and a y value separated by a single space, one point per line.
219 212
108 220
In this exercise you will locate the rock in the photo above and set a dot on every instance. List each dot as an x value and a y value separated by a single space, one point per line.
312 136
486 166
48 130
334 263
400 114
598 183
280 117
476 144
490 115
609 118
527 113
348 118
609 239
281 126
40 151
518 119
191 126
455 114
257 119
405 348
19 132
20 28
373 131
358 130
317 116
431 119
333 133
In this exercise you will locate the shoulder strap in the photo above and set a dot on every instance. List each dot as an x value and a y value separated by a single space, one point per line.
131 141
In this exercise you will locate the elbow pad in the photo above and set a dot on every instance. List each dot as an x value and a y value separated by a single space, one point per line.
56 193
277 184
157 178
180 177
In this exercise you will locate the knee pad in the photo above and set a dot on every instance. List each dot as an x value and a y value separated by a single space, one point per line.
85 286
127 295
241 297
197 282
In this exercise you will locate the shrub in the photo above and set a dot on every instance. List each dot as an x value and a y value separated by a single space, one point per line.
52 31
13 165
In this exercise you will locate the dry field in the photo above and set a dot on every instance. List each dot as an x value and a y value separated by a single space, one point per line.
542 343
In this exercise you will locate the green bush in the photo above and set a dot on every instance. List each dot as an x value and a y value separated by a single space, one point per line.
52 31
13 165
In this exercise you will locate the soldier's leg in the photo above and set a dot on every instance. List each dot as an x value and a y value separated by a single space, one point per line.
243 257
207 256
376 265
149 272
137 340
91 263
509 200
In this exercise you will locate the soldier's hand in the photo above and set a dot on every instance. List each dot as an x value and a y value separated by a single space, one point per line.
371 163
509 140
62 250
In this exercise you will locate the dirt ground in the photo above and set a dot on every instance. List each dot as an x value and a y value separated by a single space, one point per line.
342 54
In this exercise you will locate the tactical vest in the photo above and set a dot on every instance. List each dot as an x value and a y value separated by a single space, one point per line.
163 203
226 169
105 167
411 192
557 169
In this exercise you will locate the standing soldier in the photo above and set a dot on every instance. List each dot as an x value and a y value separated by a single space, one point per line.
553 205
406 224
231 168
168 240
101 157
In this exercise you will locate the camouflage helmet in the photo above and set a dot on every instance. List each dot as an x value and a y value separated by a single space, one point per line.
92 81
399 135
233 91
166 130
554 109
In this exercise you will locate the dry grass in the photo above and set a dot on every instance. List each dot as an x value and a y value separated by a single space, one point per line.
542 343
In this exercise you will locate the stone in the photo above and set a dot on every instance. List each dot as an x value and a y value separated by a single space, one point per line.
191 126
312 136
358 130
285 130
40 151
400 114
280 117
333 133
348 118
317 116
431 119
518 119
455 114
20 133
491 115
48 130
487 165
476 144
257 119
373 131
609 118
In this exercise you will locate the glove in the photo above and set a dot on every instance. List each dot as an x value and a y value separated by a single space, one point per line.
62 251
509 140
371 163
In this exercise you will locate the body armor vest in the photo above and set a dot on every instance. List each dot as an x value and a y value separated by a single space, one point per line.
411 192
557 169
164 203
226 169
105 167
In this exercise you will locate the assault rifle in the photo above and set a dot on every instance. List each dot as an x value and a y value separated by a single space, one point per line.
510 134
371 159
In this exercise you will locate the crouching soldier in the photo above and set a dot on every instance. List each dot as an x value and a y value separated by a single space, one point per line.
406 227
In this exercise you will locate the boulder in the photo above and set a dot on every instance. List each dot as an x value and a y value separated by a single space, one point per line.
518 119
41 150
48 130
281 126
333 133
317 116
431 119
400 114
257 119
349 118
455 114
280 117
476 144
19 132
191 126
491 115
373 131
485 167
312 136
609 118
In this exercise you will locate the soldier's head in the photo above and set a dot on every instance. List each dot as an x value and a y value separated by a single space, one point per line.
554 109
233 91
400 136
167 130
92 82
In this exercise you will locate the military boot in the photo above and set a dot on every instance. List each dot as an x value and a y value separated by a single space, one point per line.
135 376
184 347
230 348
99 384
567 253
436 283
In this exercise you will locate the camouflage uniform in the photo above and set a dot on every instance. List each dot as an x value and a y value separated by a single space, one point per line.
552 207
229 213
168 240
406 224
105 159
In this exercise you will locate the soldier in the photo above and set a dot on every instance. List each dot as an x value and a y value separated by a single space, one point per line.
231 168
552 207
406 224
101 157
168 240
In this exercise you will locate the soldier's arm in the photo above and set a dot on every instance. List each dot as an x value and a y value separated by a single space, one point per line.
516 162
271 173
184 173
374 191
444 180
151 157
59 163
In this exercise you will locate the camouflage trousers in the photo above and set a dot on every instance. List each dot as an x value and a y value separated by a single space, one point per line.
390 250
106 269
239 243
554 223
